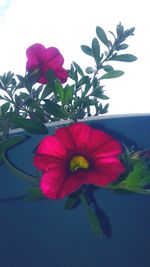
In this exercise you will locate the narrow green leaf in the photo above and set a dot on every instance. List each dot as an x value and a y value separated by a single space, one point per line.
82 81
78 68
35 194
102 36
112 74
68 94
72 201
87 50
87 88
124 58
59 90
108 68
122 47
30 126
93 221
96 50
5 107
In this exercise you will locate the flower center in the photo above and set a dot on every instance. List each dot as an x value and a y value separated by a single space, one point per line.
78 162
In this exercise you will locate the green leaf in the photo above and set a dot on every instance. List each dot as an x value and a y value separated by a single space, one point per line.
30 126
96 50
5 107
59 90
104 97
78 68
10 142
112 74
51 77
35 193
97 91
87 88
68 94
87 50
54 109
72 201
107 68
122 47
82 81
137 179
124 58
93 221
102 36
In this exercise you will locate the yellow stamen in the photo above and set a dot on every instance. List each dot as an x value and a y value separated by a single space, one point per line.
78 162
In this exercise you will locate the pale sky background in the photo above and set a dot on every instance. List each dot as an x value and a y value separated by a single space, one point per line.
67 24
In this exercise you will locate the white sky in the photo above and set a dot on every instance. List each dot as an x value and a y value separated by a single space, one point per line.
67 24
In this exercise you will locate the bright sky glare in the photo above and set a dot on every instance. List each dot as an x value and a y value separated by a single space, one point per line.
67 24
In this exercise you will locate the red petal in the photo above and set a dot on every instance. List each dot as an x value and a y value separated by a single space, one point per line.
64 136
106 172
62 75
45 162
51 146
56 184
35 55
80 133
51 182
102 144
53 59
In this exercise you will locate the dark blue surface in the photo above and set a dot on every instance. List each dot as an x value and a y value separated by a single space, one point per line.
43 234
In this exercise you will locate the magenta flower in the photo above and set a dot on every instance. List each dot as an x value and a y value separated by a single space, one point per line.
77 155
41 59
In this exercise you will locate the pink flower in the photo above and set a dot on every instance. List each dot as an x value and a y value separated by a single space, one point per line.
77 155
41 60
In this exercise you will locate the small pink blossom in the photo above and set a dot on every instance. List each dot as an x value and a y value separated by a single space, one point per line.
41 59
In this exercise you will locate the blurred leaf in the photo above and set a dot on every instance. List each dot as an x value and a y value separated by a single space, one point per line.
137 179
122 47
51 77
35 194
96 50
87 88
97 91
112 74
120 30
72 201
78 68
30 126
93 221
54 109
5 107
59 90
108 68
68 94
102 36
87 50
124 57
82 81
